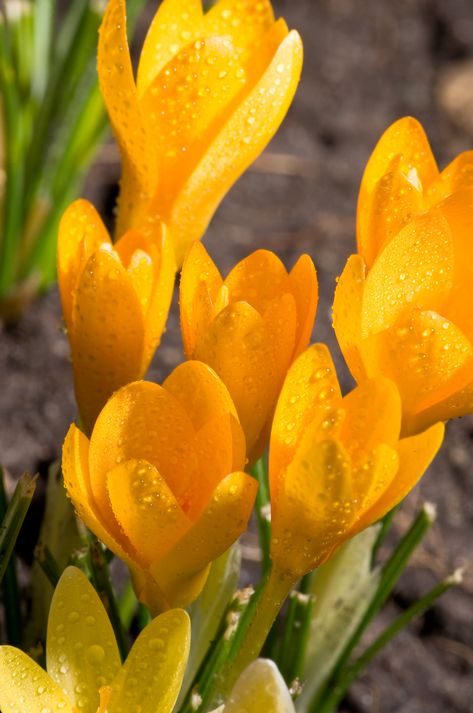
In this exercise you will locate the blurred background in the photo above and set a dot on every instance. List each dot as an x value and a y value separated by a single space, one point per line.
367 63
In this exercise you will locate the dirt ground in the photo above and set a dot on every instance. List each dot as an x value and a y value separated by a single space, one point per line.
367 63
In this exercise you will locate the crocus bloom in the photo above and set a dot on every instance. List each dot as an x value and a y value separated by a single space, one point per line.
336 464
402 305
248 327
115 300
83 662
211 91
259 688
160 481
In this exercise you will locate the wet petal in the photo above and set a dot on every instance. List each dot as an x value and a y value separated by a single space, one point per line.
247 131
151 676
246 22
22 680
260 688
258 279
373 476
175 24
414 268
143 421
81 232
200 285
108 334
304 287
82 653
459 402
310 386
456 176
182 573
145 508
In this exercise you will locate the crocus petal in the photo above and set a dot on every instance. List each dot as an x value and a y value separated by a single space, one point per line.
106 313
182 572
81 645
304 287
310 386
23 682
81 233
260 688
121 99
415 455
247 131
151 677
145 508
142 421
373 476
456 176
415 267
245 21
458 403
258 279
176 23
200 285
77 481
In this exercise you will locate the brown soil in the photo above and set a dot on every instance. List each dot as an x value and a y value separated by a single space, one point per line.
367 63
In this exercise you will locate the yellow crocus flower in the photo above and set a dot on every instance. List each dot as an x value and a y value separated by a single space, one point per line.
84 671
211 91
160 482
115 301
259 688
401 307
248 328
336 464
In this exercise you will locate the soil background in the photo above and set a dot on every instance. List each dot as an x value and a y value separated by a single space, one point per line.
368 62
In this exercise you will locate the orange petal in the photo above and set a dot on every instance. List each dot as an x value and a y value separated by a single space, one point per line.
143 421
175 24
456 176
77 481
145 508
415 268
258 279
415 455
245 22
304 287
108 343
81 232
372 477
121 99
310 386
458 403
181 573
249 128
373 415
200 284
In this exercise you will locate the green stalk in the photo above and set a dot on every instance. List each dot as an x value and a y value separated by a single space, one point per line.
127 606
338 691
44 12
390 575
48 564
10 589
263 516
14 517
299 636
386 523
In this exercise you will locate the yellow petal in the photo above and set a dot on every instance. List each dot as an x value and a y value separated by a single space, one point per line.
176 23
258 280
245 22
23 682
347 311
181 573
392 203
143 421
81 232
247 131
108 339
458 403
81 647
151 677
200 285
121 99
260 688
456 176
415 455
373 415
414 268
372 477
304 287
145 508
310 386
75 468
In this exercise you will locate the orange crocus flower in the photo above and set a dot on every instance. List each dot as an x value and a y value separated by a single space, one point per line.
336 464
211 91
160 481
402 304
115 300
248 327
